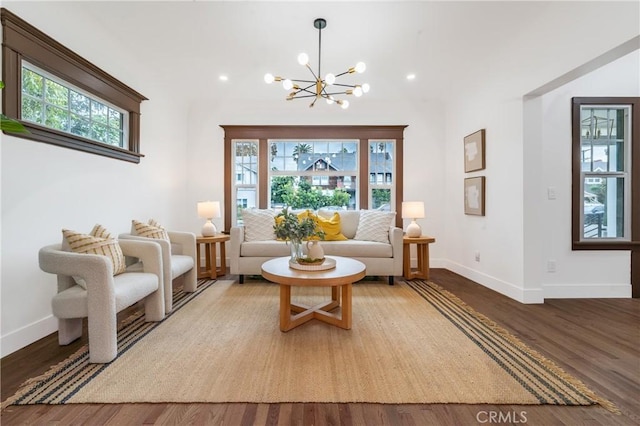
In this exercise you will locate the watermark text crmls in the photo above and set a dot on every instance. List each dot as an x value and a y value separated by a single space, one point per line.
497 417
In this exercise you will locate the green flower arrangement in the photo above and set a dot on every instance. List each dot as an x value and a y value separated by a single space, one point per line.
288 227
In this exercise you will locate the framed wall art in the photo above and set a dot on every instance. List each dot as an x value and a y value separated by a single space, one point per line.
474 151
474 189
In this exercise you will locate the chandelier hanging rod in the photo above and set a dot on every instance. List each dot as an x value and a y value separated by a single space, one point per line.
319 84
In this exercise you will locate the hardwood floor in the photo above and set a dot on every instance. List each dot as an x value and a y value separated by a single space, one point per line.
596 340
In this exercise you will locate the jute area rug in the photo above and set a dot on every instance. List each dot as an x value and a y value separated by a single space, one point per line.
410 343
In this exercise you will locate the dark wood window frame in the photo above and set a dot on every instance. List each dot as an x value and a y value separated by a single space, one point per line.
264 133
576 203
21 41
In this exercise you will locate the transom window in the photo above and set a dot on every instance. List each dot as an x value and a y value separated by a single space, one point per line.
64 100
51 102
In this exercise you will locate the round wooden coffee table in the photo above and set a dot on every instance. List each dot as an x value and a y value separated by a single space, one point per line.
346 272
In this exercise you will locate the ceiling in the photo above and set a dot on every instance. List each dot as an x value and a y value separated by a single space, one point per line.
440 42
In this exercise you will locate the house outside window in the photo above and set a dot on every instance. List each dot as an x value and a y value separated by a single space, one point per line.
381 172
605 133
246 177
311 174
312 167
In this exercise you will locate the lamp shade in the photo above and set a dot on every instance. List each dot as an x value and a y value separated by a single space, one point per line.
412 209
208 209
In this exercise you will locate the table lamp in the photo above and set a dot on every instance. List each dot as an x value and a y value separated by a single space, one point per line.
413 210
208 210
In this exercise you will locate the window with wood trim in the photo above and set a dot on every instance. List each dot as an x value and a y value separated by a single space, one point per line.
606 177
63 99
337 166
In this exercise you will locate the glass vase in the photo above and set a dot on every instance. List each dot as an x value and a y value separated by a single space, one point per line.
296 250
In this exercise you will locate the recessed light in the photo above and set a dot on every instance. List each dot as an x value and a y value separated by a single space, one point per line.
411 76
223 77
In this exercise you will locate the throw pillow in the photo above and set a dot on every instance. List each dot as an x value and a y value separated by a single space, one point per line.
374 225
330 227
98 241
258 224
348 220
149 230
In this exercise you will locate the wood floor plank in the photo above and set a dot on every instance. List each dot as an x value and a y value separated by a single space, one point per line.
595 340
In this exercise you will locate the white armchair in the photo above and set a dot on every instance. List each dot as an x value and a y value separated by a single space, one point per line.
105 295
178 258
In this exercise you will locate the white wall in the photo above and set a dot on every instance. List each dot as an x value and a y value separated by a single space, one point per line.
46 188
490 96
584 273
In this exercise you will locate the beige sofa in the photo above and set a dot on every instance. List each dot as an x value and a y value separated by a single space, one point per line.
382 256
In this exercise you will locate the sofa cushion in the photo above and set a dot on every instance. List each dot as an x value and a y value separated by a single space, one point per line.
180 264
331 227
267 248
349 248
348 220
258 224
355 248
98 241
374 225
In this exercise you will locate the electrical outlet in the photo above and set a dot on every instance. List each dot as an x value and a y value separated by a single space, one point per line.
477 256
551 265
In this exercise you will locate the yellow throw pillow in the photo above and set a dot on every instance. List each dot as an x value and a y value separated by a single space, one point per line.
330 227
98 241
150 230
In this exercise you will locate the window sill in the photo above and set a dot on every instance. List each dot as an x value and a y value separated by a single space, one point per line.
605 245
50 136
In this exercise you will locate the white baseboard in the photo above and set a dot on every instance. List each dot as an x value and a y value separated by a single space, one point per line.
28 334
508 289
586 291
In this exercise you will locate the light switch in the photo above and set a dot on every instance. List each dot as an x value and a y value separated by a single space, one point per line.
551 193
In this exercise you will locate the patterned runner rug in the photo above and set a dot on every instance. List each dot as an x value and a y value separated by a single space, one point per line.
410 343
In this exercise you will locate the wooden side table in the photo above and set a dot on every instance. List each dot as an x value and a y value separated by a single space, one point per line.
210 269
422 246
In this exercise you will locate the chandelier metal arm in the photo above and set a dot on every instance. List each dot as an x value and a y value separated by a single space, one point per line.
311 82
335 93
343 73
352 86
313 73
305 90
312 95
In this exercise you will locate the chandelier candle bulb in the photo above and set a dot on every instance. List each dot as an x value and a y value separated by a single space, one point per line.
330 79
303 59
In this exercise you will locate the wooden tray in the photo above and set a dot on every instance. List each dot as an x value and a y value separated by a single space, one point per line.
328 263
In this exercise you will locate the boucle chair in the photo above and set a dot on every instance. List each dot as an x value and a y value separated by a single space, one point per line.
105 295
178 258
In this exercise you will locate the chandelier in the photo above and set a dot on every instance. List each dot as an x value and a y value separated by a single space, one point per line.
317 88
